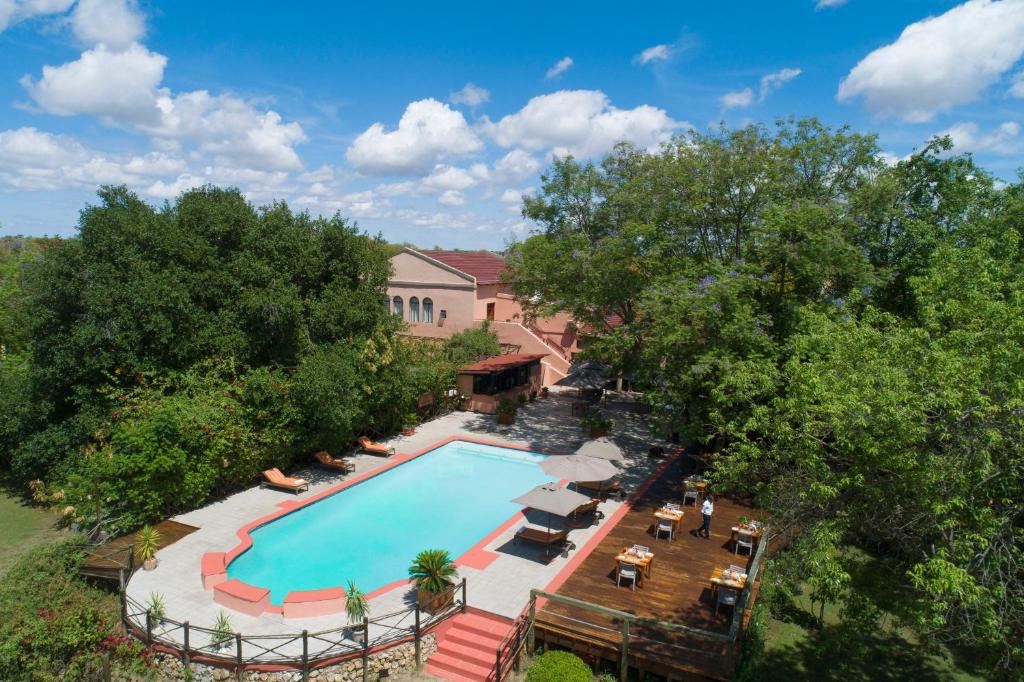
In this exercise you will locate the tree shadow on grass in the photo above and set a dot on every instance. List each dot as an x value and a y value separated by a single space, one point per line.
837 652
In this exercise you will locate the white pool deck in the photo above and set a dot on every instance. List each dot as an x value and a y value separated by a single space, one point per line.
502 588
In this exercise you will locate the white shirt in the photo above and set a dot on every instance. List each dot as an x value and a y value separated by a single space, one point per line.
707 508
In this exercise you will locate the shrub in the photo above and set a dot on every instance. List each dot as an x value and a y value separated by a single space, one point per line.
558 666
54 626
507 406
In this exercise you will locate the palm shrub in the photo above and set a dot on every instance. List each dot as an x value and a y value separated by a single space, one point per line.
147 542
433 572
155 605
356 605
223 631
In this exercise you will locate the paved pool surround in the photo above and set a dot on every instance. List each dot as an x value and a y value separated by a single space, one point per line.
254 600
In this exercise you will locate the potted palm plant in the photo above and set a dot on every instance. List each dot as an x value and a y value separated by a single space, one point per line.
597 423
409 424
155 608
147 542
434 574
223 632
357 608
506 411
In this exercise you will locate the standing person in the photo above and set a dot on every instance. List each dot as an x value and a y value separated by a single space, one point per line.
706 510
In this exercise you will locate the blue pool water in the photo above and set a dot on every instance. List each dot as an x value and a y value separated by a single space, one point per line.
449 498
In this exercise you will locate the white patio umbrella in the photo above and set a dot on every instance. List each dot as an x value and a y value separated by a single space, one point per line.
602 448
579 467
553 499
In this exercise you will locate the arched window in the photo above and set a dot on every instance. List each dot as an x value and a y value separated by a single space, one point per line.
396 305
414 309
428 310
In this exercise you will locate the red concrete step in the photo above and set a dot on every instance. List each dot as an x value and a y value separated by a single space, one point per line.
466 638
485 627
469 654
450 667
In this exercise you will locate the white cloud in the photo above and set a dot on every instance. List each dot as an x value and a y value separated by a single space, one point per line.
88 85
114 23
775 80
448 178
560 67
1004 139
582 123
31 159
1017 86
940 62
470 95
515 166
15 11
231 129
514 196
823 4
737 99
656 53
452 198
428 132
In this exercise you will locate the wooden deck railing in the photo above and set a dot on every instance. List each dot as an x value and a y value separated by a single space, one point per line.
303 651
645 631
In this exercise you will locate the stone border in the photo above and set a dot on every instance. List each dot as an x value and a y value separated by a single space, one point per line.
254 600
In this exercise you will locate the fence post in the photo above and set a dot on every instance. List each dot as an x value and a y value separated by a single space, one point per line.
497 667
530 637
366 649
105 666
416 639
305 655
188 655
123 599
238 656
149 627
624 655
463 595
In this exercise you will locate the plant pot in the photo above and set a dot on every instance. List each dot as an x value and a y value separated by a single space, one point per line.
598 432
506 419
358 634
544 392
408 431
149 564
432 602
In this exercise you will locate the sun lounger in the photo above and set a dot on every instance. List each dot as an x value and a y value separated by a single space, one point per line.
374 448
275 479
589 508
543 537
325 459
600 487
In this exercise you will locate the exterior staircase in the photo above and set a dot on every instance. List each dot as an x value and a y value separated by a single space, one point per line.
466 650
513 333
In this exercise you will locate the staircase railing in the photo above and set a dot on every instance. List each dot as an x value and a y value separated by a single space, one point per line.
507 653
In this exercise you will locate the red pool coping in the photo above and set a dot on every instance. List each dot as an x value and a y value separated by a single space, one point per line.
475 557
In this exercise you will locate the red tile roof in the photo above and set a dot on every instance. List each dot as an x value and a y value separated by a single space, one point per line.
610 321
502 362
483 265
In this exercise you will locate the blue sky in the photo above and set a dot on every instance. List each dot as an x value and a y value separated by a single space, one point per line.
427 125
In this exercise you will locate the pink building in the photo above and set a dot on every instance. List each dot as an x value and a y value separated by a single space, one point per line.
440 293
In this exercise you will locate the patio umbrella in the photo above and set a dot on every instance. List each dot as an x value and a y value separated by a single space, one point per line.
602 448
553 499
587 374
579 468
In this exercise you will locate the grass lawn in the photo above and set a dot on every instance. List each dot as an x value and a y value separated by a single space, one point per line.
22 527
796 649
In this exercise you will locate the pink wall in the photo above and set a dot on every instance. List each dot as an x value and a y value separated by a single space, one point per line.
414 276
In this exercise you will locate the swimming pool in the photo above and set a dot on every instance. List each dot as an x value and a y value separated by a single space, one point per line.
449 498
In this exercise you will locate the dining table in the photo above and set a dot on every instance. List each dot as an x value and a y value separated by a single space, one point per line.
673 515
642 561
755 531
723 577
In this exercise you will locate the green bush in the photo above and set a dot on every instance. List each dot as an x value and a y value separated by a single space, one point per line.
558 666
54 626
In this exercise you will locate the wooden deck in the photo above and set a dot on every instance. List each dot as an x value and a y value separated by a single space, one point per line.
678 591
111 558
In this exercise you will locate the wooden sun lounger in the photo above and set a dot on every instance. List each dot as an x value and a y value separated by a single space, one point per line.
275 479
374 448
589 508
599 486
325 458
542 537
